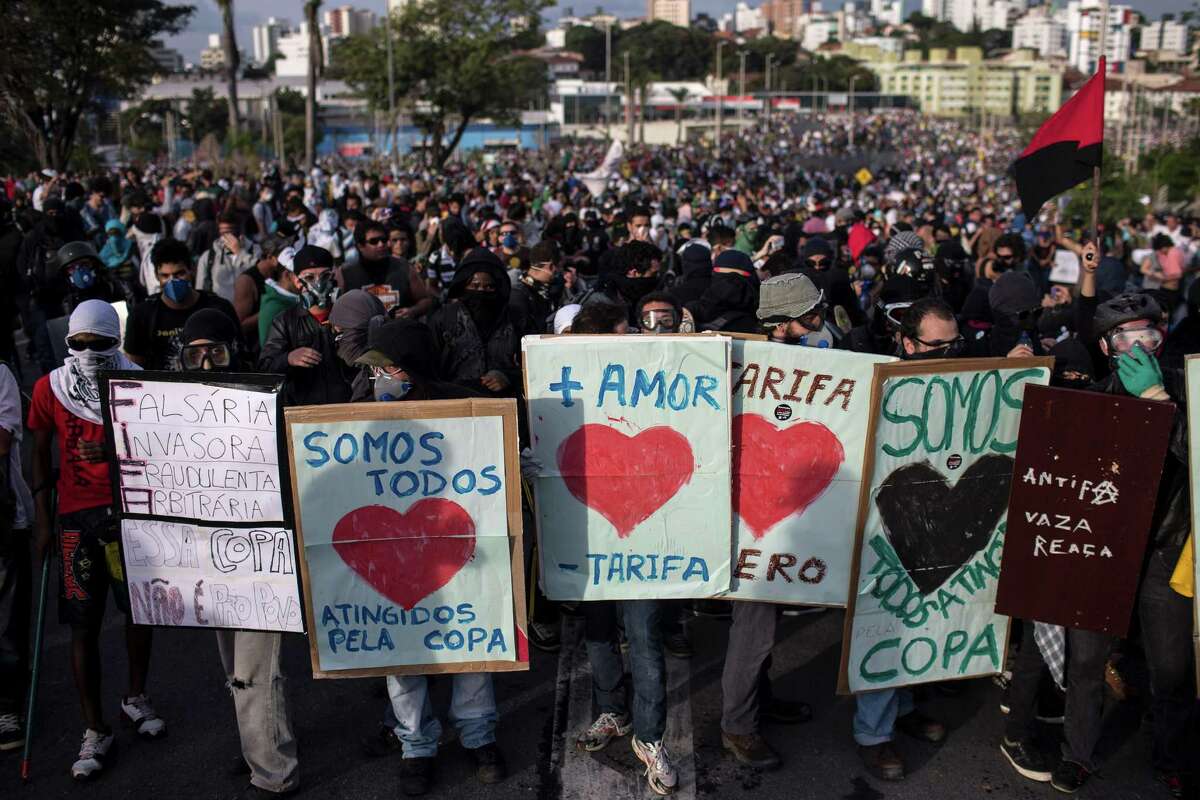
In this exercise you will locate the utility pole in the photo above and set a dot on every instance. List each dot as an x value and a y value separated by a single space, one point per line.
850 107
607 81
628 103
741 111
391 83
720 91
767 87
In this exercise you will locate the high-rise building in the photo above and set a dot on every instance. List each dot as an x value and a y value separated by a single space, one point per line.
746 18
1037 30
1165 35
784 16
167 59
348 21
1083 29
293 51
937 9
213 56
676 12
266 38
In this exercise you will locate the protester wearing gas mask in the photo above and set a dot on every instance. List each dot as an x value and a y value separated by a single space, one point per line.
792 310
153 327
300 342
539 291
658 312
86 276
355 314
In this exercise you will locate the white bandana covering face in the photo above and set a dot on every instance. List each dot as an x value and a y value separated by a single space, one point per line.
74 383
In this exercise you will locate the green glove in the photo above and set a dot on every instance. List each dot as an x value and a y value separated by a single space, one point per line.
1139 371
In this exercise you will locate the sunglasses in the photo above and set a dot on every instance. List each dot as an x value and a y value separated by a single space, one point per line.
378 240
96 345
192 356
815 263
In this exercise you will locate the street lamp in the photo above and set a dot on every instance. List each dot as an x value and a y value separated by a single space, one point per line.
720 100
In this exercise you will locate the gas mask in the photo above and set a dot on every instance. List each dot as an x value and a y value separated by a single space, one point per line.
83 276
319 293
389 387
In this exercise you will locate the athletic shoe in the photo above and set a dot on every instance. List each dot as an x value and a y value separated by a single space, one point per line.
1026 759
94 755
608 726
660 772
1068 777
489 763
544 637
137 712
12 735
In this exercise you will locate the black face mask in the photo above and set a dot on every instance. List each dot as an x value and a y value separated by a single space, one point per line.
952 350
482 306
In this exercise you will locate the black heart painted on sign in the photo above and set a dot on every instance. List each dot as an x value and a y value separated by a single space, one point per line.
935 528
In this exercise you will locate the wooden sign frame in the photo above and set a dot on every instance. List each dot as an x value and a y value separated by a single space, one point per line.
506 409
883 372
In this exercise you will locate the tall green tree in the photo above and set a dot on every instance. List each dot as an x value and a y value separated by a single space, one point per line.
61 59
456 61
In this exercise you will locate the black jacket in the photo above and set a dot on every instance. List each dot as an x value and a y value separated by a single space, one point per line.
327 382
532 307
467 351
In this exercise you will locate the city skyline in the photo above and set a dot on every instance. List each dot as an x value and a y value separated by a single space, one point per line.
248 13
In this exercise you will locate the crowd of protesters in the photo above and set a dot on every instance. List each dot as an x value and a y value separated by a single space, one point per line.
400 283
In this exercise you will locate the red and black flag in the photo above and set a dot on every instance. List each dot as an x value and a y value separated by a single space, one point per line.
1065 149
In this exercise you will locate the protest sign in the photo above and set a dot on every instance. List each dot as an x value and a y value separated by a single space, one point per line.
632 433
1192 375
927 553
206 539
1084 486
409 521
1066 267
799 433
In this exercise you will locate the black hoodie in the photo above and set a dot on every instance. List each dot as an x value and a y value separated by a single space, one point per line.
475 341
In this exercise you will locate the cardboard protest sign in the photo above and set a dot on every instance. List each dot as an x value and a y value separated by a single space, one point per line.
799 434
409 521
927 551
206 538
1084 486
633 436
1192 372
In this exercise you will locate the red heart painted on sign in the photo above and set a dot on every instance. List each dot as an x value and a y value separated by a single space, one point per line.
778 472
625 478
406 557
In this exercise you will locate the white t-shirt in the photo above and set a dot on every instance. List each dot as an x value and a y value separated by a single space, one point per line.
10 420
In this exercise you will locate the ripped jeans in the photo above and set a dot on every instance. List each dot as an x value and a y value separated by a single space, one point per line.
255 679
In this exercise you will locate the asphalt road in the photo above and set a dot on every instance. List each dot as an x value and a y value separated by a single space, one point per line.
540 712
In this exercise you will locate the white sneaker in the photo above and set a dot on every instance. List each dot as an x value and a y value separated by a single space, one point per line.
138 712
607 727
93 754
660 772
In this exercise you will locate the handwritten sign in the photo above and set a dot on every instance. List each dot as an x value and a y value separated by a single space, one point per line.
799 433
206 538
1192 373
409 523
1079 515
931 522
633 436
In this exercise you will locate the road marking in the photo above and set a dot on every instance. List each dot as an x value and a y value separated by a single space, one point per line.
613 772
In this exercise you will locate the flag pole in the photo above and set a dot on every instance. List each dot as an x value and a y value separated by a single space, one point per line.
1096 169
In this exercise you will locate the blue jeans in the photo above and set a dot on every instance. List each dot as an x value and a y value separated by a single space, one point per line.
643 630
472 711
875 714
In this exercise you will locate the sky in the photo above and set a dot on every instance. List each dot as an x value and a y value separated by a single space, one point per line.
248 13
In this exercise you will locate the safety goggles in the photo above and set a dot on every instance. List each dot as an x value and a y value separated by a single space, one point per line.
814 319
894 312
97 345
192 356
654 319
1123 341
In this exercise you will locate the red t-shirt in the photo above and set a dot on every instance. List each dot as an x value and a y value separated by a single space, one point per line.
81 484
